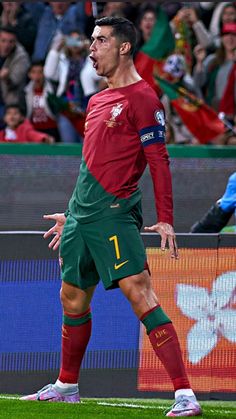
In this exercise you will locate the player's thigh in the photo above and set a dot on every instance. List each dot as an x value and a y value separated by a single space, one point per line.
77 265
117 248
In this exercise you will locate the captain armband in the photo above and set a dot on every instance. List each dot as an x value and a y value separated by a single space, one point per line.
152 135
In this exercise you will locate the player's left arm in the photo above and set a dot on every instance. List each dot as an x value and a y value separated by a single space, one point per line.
158 160
151 124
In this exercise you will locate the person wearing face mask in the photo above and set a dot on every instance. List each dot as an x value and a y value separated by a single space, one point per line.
69 69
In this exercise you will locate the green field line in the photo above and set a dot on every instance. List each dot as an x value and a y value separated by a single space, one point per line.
62 149
11 407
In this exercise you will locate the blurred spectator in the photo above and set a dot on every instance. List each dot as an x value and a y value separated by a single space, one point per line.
115 8
14 64
91 83
205 10
63 66
19 130
37 109
35 9
57 17
223 13
215 73
189 30
145 23
175 71
14 14
220 213
171 8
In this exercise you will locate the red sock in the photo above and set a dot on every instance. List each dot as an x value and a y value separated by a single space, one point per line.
76 331
165 343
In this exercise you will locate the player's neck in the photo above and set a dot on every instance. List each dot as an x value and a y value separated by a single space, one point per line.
124 75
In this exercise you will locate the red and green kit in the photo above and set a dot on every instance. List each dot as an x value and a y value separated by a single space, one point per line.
124 131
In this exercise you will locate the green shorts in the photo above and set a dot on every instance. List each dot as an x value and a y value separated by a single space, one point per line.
108 249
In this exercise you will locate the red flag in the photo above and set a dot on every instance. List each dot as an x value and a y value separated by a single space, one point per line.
156 49
227 103
88 8
201 120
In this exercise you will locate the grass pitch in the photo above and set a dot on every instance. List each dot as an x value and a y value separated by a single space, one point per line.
11 407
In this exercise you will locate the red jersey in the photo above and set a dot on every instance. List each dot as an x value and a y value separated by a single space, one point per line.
24 133
124 130
39 117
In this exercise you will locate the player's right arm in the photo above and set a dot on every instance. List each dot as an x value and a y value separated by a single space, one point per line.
56 230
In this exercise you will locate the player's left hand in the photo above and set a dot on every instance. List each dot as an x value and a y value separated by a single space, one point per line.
167 234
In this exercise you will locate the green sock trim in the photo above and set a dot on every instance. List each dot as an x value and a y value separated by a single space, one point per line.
154 319
76 322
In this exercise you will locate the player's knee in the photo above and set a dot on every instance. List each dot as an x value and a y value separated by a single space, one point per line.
68 300
138 290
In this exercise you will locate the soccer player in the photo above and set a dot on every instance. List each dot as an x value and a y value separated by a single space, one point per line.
99 233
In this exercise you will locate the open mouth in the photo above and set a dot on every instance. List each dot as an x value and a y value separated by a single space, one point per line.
94 61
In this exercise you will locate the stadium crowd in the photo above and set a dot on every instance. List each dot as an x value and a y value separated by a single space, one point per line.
47 78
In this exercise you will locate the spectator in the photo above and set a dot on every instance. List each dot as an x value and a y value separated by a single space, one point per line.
14 64
213 73
91 83
171 8
35 9
14 14
189 31
174 70
115 8
57 17
145 23
37 109
220 213
205 11
19 130
222 14
63 66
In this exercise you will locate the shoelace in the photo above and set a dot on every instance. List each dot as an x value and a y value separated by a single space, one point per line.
48 386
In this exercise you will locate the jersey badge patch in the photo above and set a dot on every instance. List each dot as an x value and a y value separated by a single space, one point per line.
160 117
115 112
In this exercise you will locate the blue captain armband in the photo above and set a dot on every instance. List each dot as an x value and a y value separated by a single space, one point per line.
152 135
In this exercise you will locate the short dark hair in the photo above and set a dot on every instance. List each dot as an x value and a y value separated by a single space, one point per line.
8 29
15 106
123 29
37 63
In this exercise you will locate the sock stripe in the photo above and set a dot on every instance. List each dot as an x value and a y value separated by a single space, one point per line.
77 316
154 318
148 312
71 321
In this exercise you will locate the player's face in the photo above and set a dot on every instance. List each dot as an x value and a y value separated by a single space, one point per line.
104 51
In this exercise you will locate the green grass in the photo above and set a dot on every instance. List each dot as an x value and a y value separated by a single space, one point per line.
104 408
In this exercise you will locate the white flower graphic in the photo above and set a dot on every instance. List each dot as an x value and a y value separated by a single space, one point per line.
213 313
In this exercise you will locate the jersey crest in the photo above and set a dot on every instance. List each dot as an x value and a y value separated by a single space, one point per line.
115 112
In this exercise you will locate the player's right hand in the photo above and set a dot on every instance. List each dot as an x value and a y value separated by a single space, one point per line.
56 230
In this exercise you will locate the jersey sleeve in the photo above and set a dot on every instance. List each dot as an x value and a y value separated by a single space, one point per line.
150 123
